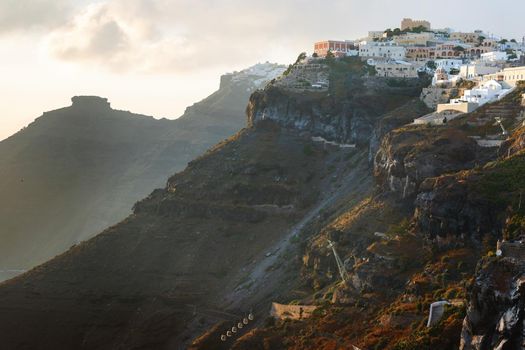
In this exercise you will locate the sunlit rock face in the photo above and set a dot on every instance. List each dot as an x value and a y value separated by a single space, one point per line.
495 315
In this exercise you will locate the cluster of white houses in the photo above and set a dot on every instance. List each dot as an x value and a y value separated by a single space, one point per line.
405 51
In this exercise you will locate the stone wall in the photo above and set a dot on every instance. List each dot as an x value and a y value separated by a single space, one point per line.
294 312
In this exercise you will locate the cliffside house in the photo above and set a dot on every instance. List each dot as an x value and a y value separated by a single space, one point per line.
488 91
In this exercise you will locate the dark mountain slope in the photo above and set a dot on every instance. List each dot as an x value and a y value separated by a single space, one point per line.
134 285
220 239
77 170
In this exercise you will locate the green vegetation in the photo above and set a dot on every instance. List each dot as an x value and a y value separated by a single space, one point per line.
345 74
308 150
301 57
431 65
396 31
444 335
397 82
515 226
501 182
399 229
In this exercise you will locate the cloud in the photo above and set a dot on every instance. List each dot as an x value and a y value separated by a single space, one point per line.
177 36
182 36
94 35
28 15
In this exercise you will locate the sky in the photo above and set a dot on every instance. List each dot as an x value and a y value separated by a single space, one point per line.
156 57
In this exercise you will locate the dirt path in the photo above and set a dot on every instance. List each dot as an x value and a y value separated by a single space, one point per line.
258 284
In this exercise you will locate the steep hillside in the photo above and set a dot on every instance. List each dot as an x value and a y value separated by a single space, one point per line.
136 284
413 211
220 240
443 199
76 170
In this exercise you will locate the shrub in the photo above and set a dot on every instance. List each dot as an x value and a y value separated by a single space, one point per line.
308 150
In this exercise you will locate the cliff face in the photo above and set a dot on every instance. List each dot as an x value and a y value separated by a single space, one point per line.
346 112
443 199
409 155
478 202
495 315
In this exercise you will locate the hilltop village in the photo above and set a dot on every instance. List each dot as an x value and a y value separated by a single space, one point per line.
467 69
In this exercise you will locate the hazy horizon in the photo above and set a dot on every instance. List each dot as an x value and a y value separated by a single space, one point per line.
158 57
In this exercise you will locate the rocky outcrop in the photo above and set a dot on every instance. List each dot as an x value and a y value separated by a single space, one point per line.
313 112
433 96
392 120
473 203
447 208
496 312
409 155
90 103
513 145
347 112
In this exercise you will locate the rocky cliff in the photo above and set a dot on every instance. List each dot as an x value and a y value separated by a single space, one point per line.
495 313
444 196
346 112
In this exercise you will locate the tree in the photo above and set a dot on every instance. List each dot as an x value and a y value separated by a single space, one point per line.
503 41
454 71
459 48
301 57
315 55
513 40
330 56
431 65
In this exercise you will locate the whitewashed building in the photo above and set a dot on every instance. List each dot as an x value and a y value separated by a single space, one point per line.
381 49
477 70
449 63
494 56
487 92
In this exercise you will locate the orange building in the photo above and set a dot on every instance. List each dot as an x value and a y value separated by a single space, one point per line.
338 48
